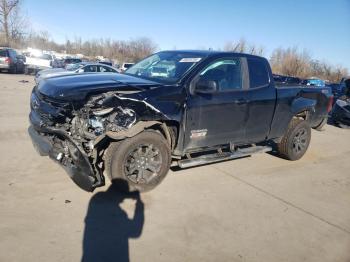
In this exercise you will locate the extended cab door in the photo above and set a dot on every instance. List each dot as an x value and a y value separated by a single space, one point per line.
218 116
262 100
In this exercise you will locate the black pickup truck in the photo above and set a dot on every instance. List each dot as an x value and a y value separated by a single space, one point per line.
182 108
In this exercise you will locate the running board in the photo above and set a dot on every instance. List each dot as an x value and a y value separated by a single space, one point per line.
217 157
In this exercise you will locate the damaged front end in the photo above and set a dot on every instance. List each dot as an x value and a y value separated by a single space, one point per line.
75 134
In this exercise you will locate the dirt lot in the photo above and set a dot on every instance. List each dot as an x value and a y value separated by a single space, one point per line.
260 208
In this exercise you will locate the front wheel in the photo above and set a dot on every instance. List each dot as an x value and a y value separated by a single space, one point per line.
141 161
296 140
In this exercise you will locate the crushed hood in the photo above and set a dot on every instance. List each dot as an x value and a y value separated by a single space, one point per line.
77 87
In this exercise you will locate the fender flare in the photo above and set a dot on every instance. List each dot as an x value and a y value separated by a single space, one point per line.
302 104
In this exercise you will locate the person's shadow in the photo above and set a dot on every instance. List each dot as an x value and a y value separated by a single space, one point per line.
107 226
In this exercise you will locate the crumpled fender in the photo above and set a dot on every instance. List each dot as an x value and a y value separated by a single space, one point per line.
138 128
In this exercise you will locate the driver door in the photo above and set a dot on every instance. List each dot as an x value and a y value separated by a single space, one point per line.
219 117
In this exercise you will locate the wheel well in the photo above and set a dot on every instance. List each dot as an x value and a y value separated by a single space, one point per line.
305 115
169 129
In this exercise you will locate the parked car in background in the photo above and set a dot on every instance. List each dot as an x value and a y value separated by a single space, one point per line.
83 67
38 61
68 61
279 78
125 66
11 61
341 110
106 63
58 63
201 107
314 82
286 79
293 80
337 90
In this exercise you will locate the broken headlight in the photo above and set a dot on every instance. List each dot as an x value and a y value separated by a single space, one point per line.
96 123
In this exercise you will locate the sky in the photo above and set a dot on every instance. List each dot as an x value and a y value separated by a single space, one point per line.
321 27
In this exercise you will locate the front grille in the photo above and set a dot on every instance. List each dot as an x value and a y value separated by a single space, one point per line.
53 102
48 109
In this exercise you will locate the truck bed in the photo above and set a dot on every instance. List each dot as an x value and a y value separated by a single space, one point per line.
290 97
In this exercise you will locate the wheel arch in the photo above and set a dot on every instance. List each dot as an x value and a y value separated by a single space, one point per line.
169 129
302 105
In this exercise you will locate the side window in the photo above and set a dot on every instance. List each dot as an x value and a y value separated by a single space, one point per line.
105 69
90 68
226 73
258 73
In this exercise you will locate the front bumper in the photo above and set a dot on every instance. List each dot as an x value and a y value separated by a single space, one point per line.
5 66
59 147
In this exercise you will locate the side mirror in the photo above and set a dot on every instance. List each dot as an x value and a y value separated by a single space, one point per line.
206 87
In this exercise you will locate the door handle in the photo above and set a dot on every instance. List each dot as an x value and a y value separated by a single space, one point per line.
240 101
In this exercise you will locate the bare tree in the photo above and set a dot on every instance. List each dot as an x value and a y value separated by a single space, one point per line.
7 8
290 62
242 46
293 62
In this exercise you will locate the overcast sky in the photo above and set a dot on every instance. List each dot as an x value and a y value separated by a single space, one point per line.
322 27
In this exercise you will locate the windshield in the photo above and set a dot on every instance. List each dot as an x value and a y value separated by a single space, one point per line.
3 53
72 67
128 65
166 67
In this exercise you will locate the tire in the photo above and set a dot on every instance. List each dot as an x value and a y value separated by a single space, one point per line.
295 141
122 157
320 126
22 70
14 70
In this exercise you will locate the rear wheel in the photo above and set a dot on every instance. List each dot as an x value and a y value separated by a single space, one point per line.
296 140
14 70
141 161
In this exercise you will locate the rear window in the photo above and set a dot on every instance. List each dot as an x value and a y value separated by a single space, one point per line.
258 73
127 66
3 53
106 69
